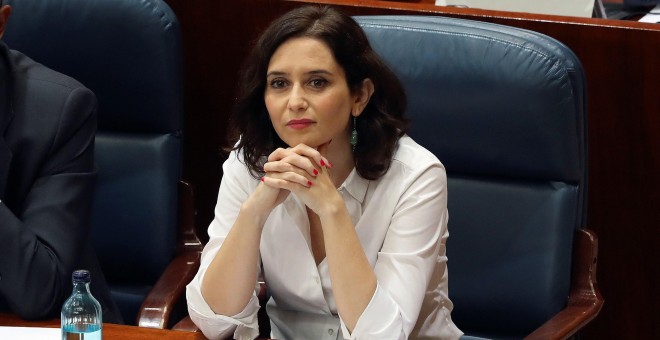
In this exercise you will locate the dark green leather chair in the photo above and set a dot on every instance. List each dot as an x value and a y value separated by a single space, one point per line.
505 110
128 52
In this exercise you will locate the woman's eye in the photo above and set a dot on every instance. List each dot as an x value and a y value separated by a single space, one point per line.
318 83
277 83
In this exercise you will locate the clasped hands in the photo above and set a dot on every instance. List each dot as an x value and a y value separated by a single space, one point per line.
301 170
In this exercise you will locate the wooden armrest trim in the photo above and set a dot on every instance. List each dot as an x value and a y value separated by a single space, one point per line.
188 239
585 300
157 307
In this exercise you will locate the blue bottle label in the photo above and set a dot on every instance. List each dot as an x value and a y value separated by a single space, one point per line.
81 332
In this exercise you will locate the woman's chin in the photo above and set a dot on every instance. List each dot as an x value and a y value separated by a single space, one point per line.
295 142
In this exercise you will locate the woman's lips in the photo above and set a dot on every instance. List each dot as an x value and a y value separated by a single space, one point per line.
299 123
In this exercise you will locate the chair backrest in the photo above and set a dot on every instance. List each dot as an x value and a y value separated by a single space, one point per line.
504 110
129 53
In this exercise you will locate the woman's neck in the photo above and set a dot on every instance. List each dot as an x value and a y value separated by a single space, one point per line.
340 154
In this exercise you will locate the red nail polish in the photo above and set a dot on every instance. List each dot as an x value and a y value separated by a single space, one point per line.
309 183
330 165
261 179
316 172
322 163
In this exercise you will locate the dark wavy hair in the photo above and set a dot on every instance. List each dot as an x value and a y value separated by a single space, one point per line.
380 125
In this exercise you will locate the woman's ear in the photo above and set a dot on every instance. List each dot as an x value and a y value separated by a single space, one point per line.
362 96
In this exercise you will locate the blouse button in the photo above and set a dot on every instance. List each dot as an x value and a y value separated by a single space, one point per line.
331 331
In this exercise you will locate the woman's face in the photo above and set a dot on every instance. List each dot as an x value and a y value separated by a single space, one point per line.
307 96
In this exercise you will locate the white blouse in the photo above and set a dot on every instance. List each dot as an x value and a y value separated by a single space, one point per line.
401 221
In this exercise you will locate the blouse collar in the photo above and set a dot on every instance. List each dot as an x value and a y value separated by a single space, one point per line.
355 185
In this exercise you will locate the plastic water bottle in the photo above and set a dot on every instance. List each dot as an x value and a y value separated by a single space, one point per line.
81 312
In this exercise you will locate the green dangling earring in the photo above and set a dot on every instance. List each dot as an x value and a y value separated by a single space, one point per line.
354 134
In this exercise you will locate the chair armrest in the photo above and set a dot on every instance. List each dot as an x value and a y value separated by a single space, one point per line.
157 307
585 300
186 325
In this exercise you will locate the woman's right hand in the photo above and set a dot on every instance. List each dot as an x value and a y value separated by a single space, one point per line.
264 199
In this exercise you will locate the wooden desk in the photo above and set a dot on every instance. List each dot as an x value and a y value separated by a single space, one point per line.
110 331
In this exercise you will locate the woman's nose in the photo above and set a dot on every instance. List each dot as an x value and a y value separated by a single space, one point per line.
297 99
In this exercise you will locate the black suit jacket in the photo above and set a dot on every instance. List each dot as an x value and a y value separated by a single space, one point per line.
47 174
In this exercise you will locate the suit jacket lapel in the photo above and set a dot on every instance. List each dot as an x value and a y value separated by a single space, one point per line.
6 114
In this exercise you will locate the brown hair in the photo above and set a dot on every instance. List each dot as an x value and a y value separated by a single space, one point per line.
379 126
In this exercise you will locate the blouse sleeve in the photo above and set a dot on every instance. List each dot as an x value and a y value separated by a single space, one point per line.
235 187
413 251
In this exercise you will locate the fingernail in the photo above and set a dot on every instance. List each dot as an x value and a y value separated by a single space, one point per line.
330 165
309 183
261 179
322 163
316 172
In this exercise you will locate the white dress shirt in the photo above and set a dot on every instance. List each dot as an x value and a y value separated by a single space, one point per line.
401 221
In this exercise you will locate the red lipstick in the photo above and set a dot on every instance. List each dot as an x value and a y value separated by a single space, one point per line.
299 123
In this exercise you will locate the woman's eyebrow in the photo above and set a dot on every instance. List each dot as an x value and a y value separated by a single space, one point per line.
320 72
275 73
312 72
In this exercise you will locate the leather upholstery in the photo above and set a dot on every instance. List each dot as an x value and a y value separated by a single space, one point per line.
129 53
504 110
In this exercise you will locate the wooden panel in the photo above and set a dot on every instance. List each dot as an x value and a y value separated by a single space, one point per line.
216 36
622 70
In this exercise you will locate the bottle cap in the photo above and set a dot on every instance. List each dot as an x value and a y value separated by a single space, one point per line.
81 276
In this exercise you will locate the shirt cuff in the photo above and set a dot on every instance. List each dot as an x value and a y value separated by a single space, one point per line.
380 320
244 325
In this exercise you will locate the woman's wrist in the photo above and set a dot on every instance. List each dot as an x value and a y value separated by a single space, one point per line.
332 206
254 213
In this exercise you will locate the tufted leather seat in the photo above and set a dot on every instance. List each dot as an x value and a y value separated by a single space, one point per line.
505 110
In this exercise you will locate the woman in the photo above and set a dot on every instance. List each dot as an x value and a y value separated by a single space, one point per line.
326 197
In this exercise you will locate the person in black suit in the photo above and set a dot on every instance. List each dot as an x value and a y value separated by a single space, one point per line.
47 174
